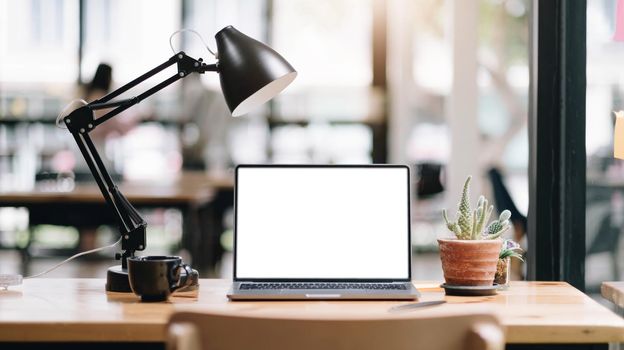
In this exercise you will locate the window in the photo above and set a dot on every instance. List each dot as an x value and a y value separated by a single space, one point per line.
39 45
605 175
425 115
331 103
129 35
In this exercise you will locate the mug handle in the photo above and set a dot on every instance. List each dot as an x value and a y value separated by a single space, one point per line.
188 281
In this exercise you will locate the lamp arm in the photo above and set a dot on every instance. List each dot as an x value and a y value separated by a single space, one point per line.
81 122
132 226
186 66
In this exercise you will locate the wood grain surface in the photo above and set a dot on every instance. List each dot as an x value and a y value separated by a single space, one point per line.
80 310
614 292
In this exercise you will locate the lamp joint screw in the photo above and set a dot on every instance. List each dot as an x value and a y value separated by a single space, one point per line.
180 56
196 64
67 120
140 246
181 74
126 237
82 130
90 126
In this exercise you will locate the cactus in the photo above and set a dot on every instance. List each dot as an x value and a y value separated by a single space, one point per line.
498 227
482 214
471 225
452 226
464 216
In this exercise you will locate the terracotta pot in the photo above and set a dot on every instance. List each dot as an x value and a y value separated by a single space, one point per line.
469 263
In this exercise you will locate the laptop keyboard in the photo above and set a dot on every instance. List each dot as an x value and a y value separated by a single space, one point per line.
321 285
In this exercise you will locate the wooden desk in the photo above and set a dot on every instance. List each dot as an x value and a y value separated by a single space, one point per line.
197 195
78 310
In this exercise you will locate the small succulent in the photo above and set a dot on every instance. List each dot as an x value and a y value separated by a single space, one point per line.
471 225
511 249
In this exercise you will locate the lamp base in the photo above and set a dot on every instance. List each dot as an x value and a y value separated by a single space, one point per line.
117 280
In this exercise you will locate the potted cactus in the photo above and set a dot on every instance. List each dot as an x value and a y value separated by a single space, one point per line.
470 258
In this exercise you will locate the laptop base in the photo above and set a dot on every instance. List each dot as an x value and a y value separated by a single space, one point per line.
236 293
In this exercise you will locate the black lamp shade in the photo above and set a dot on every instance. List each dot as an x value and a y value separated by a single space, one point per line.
251 73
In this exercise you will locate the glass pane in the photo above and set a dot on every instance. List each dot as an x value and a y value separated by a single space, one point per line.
219 139
503 81
605 174
431 78
329 43
422 72
334 64
38 73
132 36
39 65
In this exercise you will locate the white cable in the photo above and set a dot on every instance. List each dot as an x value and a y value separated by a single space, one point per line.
74 257
191 31
70 107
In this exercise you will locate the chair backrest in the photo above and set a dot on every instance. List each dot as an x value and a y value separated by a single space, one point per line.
503 198
429 180
194 331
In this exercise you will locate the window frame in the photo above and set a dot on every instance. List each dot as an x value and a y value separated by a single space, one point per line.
557 157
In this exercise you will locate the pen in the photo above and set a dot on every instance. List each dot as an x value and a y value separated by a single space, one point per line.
408 307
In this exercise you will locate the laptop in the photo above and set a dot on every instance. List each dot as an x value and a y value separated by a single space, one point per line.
322 232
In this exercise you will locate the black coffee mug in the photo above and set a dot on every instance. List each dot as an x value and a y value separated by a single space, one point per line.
154 278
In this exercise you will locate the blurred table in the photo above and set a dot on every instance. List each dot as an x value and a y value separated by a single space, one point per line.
539 315
614 292
201 198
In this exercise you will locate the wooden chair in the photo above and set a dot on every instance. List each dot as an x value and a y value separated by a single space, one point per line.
195 331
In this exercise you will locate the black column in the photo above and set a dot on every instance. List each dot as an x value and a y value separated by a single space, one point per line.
557 142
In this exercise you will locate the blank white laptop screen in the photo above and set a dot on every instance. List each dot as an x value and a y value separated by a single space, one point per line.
322 222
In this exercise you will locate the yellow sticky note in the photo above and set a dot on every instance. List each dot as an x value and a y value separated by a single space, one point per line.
618 135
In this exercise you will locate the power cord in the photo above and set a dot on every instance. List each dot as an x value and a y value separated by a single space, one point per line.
7 280
190 31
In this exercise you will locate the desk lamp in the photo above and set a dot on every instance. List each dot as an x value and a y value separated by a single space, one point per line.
250 73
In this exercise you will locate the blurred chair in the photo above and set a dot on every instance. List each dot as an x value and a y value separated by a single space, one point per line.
503 201
428 195
607 240
429 179
602 235
194 331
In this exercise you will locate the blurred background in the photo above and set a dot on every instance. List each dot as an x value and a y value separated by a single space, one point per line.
440 85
